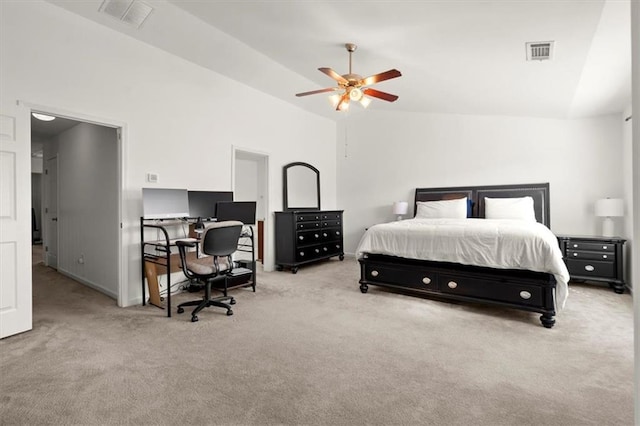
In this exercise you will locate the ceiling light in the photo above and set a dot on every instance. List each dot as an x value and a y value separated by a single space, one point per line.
365 102
43 117
355 94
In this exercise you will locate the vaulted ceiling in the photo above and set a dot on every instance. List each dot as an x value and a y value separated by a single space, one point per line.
460 57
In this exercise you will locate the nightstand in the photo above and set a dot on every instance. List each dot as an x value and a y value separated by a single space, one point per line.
594 259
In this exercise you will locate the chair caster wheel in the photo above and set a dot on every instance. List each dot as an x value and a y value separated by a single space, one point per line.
194 318
229 312
232 301
180 310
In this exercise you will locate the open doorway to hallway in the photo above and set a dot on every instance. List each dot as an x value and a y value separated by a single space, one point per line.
75 211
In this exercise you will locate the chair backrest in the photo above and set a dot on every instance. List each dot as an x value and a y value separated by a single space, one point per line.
221 238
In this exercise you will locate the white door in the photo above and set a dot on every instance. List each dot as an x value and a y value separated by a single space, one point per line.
15 219
50 240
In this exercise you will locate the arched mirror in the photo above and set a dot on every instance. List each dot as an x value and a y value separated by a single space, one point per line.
301 187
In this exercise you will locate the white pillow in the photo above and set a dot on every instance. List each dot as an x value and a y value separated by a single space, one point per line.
443 209
509 208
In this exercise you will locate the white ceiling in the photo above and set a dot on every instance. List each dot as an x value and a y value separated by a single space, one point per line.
464 57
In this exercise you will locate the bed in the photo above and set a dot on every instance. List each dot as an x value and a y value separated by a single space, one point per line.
487 265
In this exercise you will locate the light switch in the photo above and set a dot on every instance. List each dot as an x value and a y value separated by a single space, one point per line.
152 177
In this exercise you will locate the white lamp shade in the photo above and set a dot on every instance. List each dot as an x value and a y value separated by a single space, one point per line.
609 207
400 207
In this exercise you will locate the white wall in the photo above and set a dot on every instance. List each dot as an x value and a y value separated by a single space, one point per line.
179 120
627 168
88 217
383 157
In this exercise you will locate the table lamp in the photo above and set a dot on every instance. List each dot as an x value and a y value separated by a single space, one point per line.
400 208
608 208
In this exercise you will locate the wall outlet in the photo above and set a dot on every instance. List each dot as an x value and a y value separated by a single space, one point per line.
152 177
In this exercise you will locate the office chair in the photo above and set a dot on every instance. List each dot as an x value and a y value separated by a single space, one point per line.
219 242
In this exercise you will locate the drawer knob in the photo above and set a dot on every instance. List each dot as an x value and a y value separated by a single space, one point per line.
324 234
317 250
426 280
337 232
301 226
452 284
325 249
301 253
575 246
604 256
525 295
316 235
301 237
575 254
604 247
589 268
337 246
374 273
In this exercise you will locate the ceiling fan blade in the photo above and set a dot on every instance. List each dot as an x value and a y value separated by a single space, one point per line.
334 75
377 78
313 92
380 95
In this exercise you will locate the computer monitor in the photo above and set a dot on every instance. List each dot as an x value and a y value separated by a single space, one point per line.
244 211
164 203
202 204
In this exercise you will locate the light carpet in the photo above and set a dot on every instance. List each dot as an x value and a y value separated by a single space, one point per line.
311 349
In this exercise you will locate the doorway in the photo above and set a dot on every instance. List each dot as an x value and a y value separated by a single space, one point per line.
80 167
251 183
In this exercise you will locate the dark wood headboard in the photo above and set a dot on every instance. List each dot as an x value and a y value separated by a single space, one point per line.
538 191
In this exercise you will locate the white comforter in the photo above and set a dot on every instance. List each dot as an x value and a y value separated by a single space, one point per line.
494 243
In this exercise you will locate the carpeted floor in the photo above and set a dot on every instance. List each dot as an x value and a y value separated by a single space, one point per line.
311 349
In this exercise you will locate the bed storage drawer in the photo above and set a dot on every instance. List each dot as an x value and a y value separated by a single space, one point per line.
401 277
511 292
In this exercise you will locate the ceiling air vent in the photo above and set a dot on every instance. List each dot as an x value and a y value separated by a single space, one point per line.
539 50
133 12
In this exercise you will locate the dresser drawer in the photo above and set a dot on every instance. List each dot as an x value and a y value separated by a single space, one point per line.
331 216
305 238
591 268
301 226
331 223
306 217
419 280
511 292
591 255
592 246
331 234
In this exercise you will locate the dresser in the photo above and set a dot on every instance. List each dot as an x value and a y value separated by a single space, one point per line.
307 236
594 259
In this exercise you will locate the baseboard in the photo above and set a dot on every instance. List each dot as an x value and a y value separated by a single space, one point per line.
89 284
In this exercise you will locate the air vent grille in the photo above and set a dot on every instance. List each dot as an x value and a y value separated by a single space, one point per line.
539 50
133 12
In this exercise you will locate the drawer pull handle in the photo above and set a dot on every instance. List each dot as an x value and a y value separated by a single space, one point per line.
525 295
589 268
604 247
452 284
426 280
374 273
604 256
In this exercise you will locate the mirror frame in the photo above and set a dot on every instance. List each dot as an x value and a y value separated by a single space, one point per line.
285 198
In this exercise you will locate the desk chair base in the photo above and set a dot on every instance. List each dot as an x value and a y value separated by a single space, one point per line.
206 302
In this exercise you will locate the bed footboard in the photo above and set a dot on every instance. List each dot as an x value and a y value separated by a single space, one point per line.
524 290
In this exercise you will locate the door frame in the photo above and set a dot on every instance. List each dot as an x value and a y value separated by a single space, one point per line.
46 224
121 141
268 263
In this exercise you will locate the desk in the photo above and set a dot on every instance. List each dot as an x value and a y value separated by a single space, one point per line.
162 261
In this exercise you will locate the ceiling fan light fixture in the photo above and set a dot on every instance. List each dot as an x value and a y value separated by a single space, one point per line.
365 102
335 99
43 117
355 94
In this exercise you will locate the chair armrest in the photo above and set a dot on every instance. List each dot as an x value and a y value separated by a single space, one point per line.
182 243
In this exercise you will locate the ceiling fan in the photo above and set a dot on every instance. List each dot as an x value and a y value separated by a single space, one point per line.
354 85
